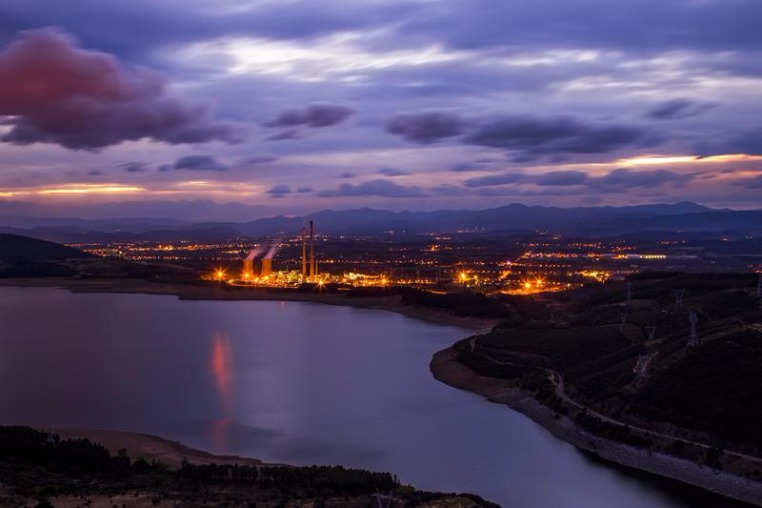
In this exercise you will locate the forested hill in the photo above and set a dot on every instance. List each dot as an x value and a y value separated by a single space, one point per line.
662 354
20 248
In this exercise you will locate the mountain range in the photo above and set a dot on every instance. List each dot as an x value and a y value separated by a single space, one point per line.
605 221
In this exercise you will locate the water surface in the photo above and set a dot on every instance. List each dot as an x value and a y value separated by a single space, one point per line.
291 382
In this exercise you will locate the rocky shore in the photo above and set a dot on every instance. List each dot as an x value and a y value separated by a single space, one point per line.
446 368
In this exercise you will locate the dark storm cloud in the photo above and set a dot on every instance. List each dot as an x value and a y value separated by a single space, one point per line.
528 138
561 178
426 127
56 92
392 172
677 109
199 163
313 115
534 137
279 191
258 159
492 180
134 167
284 135
379 187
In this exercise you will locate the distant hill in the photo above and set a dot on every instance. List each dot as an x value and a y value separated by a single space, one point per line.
14 248
580 221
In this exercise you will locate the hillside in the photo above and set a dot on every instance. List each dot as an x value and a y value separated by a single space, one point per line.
16 248
628 370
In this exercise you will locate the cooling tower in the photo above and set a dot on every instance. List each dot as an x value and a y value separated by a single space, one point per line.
248 268
267 267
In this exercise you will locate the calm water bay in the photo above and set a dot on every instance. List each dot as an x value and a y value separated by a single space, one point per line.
291 382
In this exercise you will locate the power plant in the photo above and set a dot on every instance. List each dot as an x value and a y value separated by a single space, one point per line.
257 266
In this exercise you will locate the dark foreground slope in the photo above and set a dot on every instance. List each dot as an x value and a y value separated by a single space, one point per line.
626 370
42 469
15 248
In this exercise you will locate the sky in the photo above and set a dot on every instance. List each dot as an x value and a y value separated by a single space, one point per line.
238 109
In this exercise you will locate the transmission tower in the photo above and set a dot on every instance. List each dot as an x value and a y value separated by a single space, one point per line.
622 319
759 286
384 501
693 339
651 331
628 287
678 294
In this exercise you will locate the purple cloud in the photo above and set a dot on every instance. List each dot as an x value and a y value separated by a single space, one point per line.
314 115
199 163
534 138
279 191
284 135
56 92
627 178
379 187
392 172
492 180
561 178
677 109
134 167
427 127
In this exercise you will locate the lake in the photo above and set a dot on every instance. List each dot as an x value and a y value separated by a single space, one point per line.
294 383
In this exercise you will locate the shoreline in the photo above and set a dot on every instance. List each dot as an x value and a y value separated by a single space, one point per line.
220 293
446 369
150 447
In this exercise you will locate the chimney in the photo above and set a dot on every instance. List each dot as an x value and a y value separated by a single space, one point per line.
312 251
304 253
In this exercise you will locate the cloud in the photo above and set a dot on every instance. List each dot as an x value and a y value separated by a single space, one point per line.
315 115
748 142
677 109
55 92
279 191
134 167
528 138
627 178
561 178
534 138
614 181
199 163
426 127
284 135
347 175
304 190
492 180
392 172
379 187
258 159
754 182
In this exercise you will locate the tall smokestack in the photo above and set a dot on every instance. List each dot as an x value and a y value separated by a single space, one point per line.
304 253
312 251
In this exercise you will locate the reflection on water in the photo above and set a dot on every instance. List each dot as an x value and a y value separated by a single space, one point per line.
221 365
221 368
